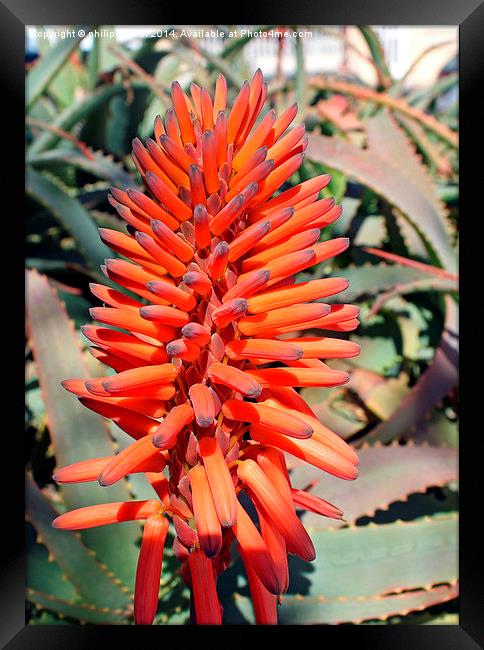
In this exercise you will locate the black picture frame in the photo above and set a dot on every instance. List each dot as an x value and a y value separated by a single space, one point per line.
14 16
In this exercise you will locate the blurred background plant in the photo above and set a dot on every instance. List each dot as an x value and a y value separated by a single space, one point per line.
380 106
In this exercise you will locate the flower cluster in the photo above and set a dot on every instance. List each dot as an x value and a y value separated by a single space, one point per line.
205 385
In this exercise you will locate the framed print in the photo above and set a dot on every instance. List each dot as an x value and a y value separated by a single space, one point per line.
242 311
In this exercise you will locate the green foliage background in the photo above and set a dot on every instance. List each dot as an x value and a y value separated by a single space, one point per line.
392 154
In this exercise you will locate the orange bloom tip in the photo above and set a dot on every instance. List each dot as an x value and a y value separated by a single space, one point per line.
183 349
199 282
204 404
196 333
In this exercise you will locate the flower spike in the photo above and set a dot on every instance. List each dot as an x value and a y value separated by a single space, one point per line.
208 340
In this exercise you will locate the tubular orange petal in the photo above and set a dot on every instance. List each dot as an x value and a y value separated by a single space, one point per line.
170 200
105 513
284 120
173 171
296 316
237 113
256 551
206 517
178 418
310 450
237 203
207 606
220 99
276 545
122 343
141 202
164 315
281 421
172 241
255 141
290 398
221 138
277 508
140 377
285 144
296 243
182 114
268 377
148 571
135 424
302 220
290 197
132 322
268 349
273 464
86 470
229 311
263 602
276 178
128 460
176 152
174 295
166 260
315 504
234 378
251 283
326 348
303 292
220 481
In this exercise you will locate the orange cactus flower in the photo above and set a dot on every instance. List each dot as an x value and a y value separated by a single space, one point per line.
204 384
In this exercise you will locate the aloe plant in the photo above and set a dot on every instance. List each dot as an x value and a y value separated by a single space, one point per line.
392 155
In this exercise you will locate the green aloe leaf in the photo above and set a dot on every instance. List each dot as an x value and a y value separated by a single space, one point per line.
371 279
79 111
391 178
99 165
368 560
71 213
76 433
387 474
376 50
440 377
47 67
89 580
307 610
